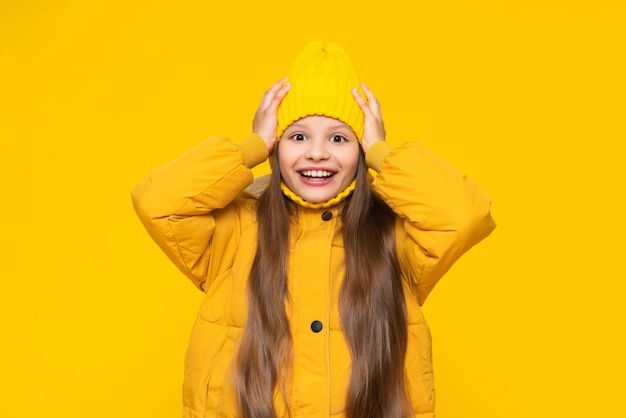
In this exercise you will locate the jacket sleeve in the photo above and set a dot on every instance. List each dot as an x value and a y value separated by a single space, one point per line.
441 212
180 202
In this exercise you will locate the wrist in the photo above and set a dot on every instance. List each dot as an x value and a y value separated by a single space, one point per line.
269 143
367 144
254 150
376 154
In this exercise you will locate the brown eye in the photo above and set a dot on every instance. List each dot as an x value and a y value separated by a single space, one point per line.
298 137
337 138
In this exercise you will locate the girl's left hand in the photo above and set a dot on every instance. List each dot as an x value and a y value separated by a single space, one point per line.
374 126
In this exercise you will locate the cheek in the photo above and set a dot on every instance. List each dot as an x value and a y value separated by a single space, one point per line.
351 161
353 169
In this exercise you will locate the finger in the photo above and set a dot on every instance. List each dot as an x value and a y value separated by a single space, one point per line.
374 104
271 92
366 90
278 97
361 101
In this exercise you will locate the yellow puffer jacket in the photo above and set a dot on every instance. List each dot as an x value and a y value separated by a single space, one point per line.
199 212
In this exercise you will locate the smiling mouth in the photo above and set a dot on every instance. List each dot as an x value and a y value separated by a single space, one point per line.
316 174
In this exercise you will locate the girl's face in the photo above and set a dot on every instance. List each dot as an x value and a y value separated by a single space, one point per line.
318 157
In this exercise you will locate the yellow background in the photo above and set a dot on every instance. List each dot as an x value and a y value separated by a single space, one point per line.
528 97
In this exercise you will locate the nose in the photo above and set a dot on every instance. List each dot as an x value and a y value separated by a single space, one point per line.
317 150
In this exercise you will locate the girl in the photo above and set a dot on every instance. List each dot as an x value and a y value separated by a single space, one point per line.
314 285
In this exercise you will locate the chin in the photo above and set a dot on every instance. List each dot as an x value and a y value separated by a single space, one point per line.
316 198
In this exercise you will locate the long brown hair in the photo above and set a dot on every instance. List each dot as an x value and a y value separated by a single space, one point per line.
371 303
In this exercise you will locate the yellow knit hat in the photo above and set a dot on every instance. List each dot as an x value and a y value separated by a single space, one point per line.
321 80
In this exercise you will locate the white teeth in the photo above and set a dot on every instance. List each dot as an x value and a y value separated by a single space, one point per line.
316 173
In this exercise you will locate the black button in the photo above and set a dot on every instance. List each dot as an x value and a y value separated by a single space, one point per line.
316 326
327 216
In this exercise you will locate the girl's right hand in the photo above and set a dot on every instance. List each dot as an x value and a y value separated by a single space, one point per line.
265 121
374 126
